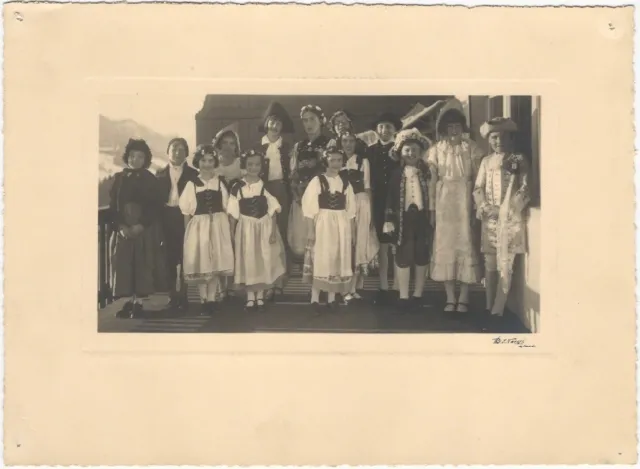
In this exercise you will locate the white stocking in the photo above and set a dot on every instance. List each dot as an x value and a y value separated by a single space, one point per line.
202 289
403 276
421 271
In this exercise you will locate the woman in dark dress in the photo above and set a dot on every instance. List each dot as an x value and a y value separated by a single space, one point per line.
136 244
306 163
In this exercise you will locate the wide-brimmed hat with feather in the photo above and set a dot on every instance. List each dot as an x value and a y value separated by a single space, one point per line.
407 136
278 111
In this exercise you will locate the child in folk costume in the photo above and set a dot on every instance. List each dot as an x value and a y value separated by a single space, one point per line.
136 245
383 163
306 163
227 144
330 208
208 252
276 170
454 161
502 195
407 215
260 256
366 242
342 121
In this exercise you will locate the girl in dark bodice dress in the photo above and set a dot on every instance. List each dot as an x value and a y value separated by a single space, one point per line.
208 250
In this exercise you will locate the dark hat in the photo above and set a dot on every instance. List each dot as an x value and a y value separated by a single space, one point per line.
387 117
277 110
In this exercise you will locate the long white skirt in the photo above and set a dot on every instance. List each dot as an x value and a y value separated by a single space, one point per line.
259 263
332 270
208 252
367 246
297 230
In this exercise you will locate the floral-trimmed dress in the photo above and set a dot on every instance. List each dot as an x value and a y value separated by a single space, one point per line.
306 163
501 194
330 202
208 252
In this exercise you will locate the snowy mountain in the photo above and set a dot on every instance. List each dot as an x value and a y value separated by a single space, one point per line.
113 137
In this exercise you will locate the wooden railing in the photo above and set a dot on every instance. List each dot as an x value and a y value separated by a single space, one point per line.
104 258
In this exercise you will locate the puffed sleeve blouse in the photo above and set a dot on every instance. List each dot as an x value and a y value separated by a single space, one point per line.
188 201
248 191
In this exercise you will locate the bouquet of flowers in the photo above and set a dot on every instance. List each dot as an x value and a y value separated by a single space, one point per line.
512 163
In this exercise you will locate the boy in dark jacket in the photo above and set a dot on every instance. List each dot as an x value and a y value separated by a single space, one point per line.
383 163
173 178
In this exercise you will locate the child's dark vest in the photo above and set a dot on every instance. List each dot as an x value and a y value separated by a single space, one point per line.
284 162
256 206
209 201
356 177
332 200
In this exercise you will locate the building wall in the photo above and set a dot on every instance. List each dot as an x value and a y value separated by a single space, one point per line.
219 111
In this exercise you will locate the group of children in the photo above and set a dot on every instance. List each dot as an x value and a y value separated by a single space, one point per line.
340 208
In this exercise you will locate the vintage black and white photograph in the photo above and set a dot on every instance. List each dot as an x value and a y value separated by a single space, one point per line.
317 213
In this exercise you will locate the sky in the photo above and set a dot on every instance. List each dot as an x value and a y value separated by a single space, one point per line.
166 114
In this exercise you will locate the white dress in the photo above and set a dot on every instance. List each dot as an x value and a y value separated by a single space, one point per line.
259 263
367 246
208 252
332 269
453 168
